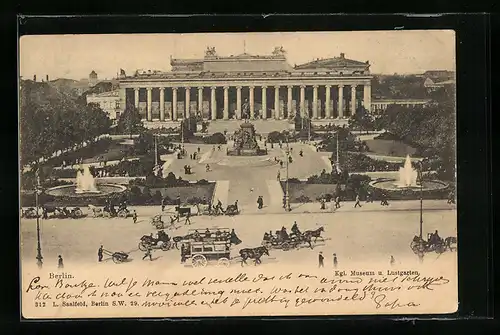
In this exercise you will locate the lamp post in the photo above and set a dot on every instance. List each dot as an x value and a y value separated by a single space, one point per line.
287 190
420 178
39 256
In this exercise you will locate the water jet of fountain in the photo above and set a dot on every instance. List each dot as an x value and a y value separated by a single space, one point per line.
407 174
85 182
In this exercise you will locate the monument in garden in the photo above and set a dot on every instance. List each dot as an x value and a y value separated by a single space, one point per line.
245 142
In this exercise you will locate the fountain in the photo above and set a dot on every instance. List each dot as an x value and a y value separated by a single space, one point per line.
245 142
85 182
408 181
85 187
407 174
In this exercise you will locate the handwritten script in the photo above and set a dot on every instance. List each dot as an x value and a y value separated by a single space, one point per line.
245 292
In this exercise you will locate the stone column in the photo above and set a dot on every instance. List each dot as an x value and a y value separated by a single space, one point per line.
302 100
200 101
264 102
353 99
251 102
136 97
162 103
315 101
226 103
328 113
150 116
122 94
367 97
277 102
213 105
341 101
238 102
188 101
174 103
289 101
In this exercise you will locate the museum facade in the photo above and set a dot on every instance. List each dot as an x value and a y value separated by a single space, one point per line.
249 86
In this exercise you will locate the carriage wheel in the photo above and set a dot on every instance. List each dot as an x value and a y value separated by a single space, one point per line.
142 246
78 213
199 261
165 246
223 262
117 259
440 248
285 246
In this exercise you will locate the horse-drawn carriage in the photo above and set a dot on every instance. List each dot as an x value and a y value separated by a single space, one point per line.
109 212
162 241
434 243
30 213
51 211
203 253
157 222
284 241
209 235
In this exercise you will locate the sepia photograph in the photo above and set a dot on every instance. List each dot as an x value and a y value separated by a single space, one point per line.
238 174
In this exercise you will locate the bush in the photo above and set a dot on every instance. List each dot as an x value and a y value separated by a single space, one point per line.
327 196
202 182
195 200
216 138
275 137
294 181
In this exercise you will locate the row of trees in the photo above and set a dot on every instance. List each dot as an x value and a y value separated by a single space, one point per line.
51 120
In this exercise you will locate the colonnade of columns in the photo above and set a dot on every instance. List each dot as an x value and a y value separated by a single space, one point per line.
341 110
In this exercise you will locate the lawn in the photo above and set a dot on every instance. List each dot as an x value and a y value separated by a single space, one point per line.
390 148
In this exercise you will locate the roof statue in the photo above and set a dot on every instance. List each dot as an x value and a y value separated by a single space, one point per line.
210 52
279 51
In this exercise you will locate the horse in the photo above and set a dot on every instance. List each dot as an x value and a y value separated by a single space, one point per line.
449 241
253 253
314 233
177 239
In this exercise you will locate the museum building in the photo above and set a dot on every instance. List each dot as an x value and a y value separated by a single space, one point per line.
249 86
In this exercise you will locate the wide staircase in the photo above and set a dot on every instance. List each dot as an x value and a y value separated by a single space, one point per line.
261 126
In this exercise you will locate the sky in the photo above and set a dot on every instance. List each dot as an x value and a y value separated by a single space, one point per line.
75 56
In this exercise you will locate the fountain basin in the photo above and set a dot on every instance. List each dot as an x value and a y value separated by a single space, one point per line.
72 192
389 184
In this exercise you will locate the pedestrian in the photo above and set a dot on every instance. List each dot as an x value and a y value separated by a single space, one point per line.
162 204
148 253
321 260
260 202
369 197
451 198
301 153
199 149
392 260
356 204
134 216
278 176
335 262
188 216
323 203
337 201
100 253
60 263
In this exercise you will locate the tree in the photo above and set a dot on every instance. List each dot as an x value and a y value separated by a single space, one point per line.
130 121
362 120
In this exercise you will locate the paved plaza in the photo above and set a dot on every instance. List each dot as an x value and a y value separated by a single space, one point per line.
249 177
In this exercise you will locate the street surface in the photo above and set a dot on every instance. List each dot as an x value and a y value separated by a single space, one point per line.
355 236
